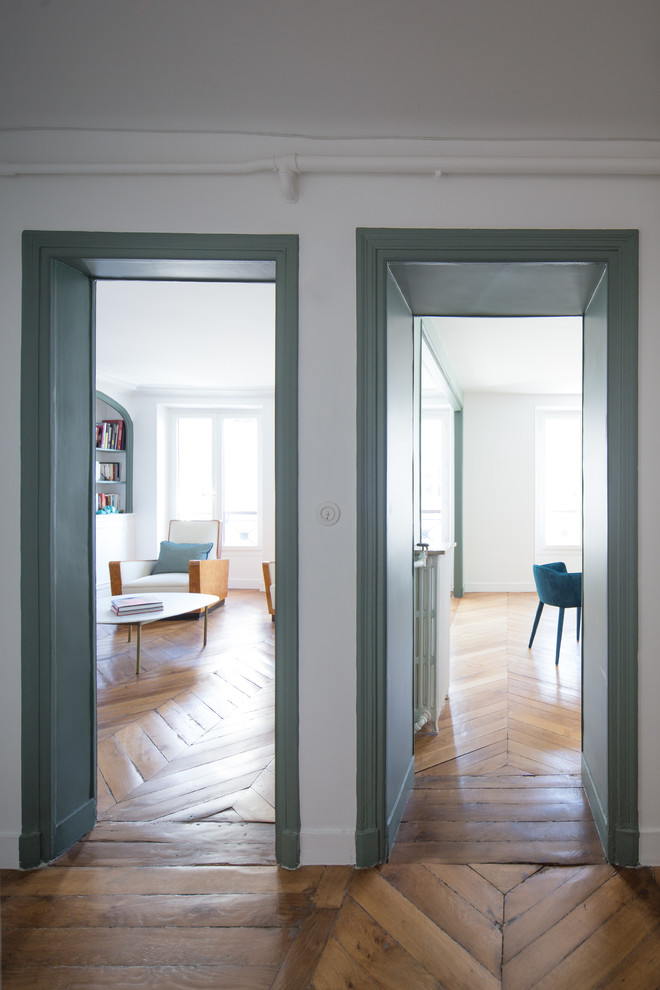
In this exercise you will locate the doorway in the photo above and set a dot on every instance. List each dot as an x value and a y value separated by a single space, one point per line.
384 727
59 271
194 363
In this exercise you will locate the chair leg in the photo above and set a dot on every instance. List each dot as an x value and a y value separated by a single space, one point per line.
535 626
579 611
560 627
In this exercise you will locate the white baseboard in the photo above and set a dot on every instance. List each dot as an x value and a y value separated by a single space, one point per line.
487 587
327 847
9 850
649 847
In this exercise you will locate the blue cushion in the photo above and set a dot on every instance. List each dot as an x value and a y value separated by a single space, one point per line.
173 557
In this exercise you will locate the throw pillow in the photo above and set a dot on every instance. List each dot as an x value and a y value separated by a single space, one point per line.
173 557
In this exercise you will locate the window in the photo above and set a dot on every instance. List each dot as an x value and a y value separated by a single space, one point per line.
558 478
436 454
216 459
435 476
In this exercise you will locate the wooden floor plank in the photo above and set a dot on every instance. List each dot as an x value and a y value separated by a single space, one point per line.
337 970
432 948
474 888
303 957
557 942
460 919
375 954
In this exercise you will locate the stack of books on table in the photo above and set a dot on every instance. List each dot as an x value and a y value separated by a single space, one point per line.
135 603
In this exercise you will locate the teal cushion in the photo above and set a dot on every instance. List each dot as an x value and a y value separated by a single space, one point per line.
173 557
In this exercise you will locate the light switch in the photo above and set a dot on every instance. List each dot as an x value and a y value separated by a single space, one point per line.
328 513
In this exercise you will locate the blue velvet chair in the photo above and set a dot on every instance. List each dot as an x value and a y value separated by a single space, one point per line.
557 587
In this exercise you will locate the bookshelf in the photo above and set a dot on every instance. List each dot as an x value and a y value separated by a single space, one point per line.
113 441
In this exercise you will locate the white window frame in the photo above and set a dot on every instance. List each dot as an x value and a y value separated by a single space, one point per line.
217 414
543 414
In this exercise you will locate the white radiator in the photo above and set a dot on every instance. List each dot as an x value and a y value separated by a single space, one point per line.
431 637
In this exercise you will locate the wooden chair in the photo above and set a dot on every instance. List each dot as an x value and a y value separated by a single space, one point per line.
208 576
268 568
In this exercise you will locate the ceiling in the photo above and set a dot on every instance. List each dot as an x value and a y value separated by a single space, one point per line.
505 327
519 69
174 335
520 355
512 328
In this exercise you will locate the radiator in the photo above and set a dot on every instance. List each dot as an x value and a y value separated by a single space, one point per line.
431 635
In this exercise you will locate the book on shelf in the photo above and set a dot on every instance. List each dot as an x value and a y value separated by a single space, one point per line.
107 471
128 604
107 503
110 434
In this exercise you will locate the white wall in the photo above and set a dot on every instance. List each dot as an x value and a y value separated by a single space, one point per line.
328 211
499 490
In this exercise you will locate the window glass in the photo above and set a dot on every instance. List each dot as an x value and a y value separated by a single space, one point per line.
240 452
217 473
559 478
433 479
194 488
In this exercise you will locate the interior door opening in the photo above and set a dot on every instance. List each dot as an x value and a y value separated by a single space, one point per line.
59 269
480 273
503 728
205 432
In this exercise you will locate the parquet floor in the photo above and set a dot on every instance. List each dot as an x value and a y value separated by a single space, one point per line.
191 741
500 782
170 913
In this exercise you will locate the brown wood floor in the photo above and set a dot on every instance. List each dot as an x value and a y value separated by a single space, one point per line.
495 879
191 741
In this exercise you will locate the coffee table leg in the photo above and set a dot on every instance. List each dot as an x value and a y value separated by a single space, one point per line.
137 659
206 615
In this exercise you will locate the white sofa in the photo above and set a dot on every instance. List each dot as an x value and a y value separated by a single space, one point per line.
208 575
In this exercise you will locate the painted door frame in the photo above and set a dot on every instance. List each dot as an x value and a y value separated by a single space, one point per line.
148 253
618 251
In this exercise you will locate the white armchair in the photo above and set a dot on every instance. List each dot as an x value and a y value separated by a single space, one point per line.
208 576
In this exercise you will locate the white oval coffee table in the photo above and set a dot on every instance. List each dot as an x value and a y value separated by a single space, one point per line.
178 603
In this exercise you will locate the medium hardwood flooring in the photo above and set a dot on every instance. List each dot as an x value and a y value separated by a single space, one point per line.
500 782
160 907
188 742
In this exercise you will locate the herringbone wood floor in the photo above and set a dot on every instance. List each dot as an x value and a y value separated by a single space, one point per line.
153 913
191 741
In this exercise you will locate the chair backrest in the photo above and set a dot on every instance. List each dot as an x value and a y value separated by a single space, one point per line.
197 531
557 587
268 568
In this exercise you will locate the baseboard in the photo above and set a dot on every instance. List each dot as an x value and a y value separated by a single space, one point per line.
649 847
597 810
245 584
327 847
400 804
485 588
9 842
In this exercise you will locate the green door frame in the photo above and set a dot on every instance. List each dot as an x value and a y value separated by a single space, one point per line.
156 256
618 250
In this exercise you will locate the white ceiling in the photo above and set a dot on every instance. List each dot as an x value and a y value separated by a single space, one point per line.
577 69
220 335
203 335
531 355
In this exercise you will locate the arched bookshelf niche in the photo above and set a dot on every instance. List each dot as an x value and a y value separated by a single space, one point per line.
114 457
